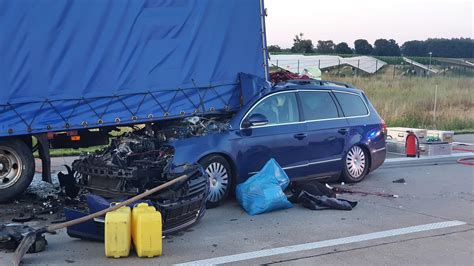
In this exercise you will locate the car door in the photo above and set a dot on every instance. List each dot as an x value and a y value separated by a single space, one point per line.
327 131
282 138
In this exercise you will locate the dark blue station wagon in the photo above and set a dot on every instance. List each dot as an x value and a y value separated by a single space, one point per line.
320 130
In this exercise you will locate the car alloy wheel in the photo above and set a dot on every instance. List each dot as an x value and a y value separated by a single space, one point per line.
219 181
356 162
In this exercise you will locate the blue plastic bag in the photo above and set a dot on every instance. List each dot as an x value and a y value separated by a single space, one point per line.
263 192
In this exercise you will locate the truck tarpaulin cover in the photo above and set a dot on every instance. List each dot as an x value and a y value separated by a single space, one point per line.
83 63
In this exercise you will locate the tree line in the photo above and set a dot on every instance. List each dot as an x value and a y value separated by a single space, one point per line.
454 48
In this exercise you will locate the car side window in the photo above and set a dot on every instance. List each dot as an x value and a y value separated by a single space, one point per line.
280 108
318 105
351 104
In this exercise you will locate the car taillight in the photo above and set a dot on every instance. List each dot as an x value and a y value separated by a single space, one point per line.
384 127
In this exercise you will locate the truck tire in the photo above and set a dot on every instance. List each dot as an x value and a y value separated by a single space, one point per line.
220 178
17 168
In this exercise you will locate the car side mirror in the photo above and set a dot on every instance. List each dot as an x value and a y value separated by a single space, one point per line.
255 120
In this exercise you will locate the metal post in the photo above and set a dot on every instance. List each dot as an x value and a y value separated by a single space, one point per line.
376 64
393 72
338 66
358 67
429 67
277 62
298 66
434 107
319 64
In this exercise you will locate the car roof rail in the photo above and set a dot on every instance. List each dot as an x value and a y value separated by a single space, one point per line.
319 82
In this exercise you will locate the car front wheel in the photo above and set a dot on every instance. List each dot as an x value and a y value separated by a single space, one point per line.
219 172
356 165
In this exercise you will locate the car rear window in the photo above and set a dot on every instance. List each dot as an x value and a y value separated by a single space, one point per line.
318 105
351 104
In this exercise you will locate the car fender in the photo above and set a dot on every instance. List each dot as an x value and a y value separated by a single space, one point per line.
370 142
194 149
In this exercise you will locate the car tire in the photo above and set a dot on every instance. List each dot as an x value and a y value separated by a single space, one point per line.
17 168
220 178
356 165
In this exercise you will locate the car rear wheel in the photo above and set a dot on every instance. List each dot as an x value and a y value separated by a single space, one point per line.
17 168
356 165
219 172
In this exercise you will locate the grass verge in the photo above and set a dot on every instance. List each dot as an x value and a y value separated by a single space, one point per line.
410 101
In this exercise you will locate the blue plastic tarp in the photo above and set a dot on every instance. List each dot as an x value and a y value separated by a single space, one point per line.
84 63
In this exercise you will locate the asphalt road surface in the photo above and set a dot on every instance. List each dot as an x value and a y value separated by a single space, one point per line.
432 222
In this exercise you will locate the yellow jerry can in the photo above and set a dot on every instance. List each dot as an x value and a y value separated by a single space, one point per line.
146 230
117 233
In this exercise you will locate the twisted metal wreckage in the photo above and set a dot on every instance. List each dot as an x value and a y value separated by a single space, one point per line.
142 159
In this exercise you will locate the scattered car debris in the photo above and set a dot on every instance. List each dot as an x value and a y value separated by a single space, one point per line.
12 234
22 218
43 190
400 181
339 189
34 207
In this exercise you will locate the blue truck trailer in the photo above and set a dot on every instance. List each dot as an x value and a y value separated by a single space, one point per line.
71 71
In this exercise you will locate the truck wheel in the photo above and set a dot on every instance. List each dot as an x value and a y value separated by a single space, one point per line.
356 165
17 168
220 178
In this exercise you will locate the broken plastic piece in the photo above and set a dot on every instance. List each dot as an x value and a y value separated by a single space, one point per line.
12 234
401 181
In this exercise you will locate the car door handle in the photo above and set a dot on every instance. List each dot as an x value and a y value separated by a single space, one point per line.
300 136
343 131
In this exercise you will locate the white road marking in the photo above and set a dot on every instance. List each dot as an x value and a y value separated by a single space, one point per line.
325 243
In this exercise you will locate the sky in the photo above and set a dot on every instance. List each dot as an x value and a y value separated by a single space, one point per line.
346 21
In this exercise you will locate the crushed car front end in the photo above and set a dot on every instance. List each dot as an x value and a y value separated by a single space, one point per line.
138 161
